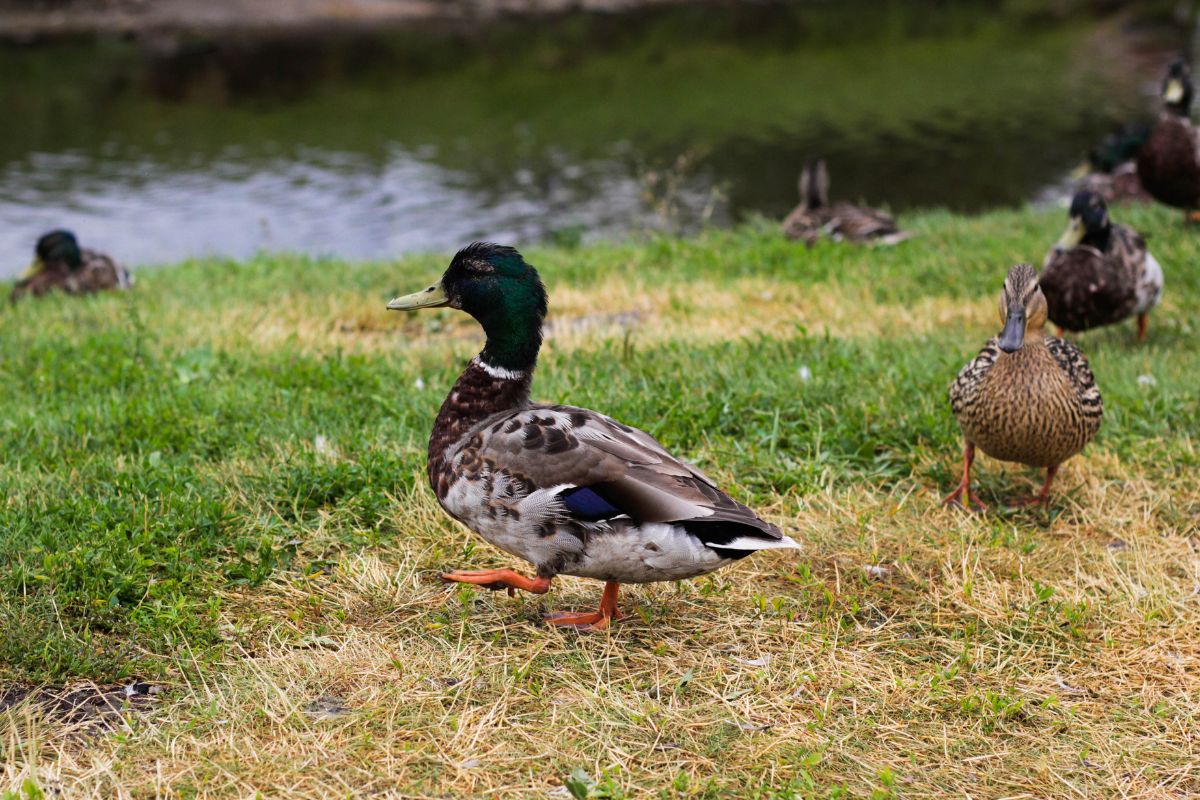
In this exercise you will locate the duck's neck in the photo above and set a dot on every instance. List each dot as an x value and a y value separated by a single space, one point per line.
1099 239
496 380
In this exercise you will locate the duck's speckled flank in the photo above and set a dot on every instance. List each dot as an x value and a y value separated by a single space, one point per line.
1037 406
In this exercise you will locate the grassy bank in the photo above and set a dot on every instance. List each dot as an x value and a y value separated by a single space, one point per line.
216 482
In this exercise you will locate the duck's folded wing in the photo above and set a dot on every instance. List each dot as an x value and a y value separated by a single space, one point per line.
964 389
1075 365
1085 288
603 469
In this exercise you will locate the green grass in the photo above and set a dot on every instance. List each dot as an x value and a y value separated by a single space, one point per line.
217 481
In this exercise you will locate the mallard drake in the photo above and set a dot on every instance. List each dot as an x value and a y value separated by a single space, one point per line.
1099 273
841 221
1026 397
60 264
1169 163
569 490
1111 167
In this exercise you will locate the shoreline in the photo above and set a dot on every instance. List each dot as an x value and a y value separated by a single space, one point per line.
168 18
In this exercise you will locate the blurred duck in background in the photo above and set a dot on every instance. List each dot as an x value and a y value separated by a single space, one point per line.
60 264
840 221
1169 162
1099 273
1111 166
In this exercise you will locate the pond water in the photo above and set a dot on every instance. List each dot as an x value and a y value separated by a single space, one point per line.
582 127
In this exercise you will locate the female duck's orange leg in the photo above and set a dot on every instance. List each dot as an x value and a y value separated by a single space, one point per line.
1041 497
962 494
497 579
1143 319
591 621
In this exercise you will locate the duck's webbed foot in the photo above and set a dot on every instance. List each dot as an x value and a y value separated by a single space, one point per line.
591 621
497 579
961 496
1042 497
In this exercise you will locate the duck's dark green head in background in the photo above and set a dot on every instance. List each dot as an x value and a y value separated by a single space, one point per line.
1120 146
1177 88
1088 223
55 247
494 285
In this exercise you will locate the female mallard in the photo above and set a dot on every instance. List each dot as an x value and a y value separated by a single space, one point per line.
1099 273
1111 167
842 221
1169 163
569 490
1026 397
59 264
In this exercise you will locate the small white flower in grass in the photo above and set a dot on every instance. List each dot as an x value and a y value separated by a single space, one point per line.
1147 380
419 384
322 446
805 373
877 571
470 763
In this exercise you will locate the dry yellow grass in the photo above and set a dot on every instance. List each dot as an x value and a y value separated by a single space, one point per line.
977 657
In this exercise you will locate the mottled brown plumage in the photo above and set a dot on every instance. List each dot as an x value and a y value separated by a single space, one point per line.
1026 397
1122 185
840 221
1099 273
60 265
1169 163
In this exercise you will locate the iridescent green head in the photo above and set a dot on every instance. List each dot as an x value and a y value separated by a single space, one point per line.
494 285
55 247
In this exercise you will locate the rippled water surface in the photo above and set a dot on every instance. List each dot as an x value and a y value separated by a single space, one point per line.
582 127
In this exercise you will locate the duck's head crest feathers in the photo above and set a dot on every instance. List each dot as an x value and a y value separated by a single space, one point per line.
1177 87
1022 308
495 285
58 246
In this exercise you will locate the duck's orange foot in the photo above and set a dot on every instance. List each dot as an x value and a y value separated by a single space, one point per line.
591 621
1191 216
587 621
963 498
1043 495
497 579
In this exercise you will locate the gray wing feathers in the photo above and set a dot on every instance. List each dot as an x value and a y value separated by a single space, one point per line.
566 446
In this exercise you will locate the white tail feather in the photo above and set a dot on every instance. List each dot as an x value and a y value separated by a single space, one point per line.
756 543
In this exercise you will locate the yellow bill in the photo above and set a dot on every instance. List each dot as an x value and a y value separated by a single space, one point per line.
432 297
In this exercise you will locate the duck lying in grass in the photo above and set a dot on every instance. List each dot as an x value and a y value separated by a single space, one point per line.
1111 167
841 221
60 264
1169 162
1026 397
1099 273
569 490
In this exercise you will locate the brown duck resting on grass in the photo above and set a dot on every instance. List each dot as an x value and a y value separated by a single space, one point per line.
60 265
1099 273
1111 167
1169 162
1027 397
569 490
840 221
